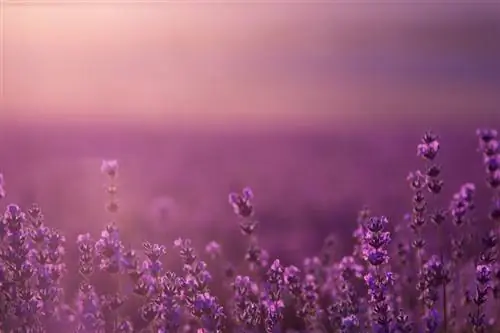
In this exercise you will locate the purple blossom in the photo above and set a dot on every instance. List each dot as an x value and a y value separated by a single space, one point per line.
242 203
109 167
213 249
429 147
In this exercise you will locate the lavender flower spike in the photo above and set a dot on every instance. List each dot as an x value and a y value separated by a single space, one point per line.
2 185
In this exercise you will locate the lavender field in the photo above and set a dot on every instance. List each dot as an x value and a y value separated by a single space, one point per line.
306 185
309 182
281 167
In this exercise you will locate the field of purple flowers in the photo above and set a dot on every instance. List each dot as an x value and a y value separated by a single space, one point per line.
434 271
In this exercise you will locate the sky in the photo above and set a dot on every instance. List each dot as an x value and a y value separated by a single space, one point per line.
228 62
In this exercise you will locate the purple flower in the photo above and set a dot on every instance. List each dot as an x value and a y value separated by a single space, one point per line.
109 167
291 275
376 257
432 321
417 180
492 163
486 135
376 224
429 147
349 324
242 203
483 274
213 249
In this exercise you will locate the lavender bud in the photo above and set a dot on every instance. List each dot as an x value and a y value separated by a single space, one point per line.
109 167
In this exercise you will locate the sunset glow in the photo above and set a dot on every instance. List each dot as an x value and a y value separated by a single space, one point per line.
217 62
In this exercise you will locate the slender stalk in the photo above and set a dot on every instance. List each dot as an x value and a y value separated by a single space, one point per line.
445 301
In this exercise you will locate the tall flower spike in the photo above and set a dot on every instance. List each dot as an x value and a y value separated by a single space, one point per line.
377 279
110 168
2 185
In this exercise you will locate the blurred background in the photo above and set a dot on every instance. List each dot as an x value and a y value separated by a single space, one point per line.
318 106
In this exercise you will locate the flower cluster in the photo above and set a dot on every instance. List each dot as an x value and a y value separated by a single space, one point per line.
31 267
477 316
196 294
490 149
377 279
